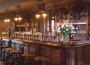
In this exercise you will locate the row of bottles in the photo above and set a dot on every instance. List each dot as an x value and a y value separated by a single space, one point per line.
40 37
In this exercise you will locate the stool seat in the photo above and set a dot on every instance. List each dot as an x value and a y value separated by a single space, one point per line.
28 59
17 56
16 52
42 58
9 49
3 47
27 55
2 50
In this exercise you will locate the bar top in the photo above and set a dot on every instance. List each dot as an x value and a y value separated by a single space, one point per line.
70 44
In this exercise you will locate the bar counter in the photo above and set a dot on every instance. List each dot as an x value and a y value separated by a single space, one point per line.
70 44
73 53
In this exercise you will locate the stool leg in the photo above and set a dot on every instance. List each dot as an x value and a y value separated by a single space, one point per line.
17 56
4 53
43 63
17 59
1 53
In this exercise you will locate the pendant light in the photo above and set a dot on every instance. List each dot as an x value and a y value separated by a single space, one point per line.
18 16
41 9
7 16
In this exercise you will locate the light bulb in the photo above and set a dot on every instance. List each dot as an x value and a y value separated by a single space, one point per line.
37 16
19 18
44 15
15 19
5 20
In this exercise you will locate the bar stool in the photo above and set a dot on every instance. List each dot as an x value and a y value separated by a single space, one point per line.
9 59
3 52
8 56
17 56
28 59
16 52
43 59
7 50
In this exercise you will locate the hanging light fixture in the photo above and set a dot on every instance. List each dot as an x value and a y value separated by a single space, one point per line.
41 9
18 16
7 20
6 16
41 13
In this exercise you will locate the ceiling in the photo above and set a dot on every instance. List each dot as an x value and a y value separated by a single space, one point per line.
29 4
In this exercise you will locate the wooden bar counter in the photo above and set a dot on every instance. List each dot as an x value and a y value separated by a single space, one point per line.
73 53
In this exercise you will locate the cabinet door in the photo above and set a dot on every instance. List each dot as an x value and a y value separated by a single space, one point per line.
25 48
84 55
58 57
45 51
34 49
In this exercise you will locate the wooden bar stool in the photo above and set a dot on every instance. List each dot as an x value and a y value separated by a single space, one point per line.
8 50
43 59
3 52
8 56
17 56
28 59
27 55
9 59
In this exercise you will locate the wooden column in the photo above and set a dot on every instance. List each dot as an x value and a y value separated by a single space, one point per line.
50 16
88 22
69 15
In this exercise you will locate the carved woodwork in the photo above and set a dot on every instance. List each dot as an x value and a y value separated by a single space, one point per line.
77 10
